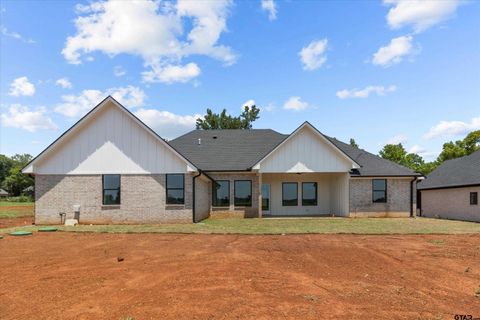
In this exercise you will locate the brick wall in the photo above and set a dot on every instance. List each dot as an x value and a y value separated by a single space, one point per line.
453 203
398 198
142 200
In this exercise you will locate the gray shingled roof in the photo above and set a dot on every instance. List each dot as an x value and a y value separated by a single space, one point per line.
239 150
453 173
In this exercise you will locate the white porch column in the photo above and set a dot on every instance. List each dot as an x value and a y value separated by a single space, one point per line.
259 194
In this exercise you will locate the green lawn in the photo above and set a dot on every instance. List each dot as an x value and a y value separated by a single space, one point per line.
289 226
15 209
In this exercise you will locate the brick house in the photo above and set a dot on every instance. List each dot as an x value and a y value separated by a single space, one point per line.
451 191
110 167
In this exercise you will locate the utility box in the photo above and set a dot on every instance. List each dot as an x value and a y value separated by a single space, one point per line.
76 212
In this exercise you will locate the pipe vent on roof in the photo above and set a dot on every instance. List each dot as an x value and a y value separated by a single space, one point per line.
199 141
214 137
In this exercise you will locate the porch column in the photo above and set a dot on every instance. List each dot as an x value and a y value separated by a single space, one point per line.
259 194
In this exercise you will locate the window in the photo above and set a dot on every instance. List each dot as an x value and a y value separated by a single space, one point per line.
221 193
379 190
474 198
289 194
243 193
309 194
111 189
265 197
175 189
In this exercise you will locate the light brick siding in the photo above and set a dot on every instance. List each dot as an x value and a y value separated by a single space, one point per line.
398 198
453 203
203 196
243 211
142 200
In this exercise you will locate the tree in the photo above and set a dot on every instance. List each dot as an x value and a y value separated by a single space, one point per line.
222 120
5 165
472 142
17 181
353 143
395 153
398 154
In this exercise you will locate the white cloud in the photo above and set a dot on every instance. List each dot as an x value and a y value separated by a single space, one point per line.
21 87
296 104
452 128
394 52
313 56
76 105
271 8
249 103
364 93
419 14
172 73
399 138
119 71
418 149
168 125
153 30
22 117
15 35
64 83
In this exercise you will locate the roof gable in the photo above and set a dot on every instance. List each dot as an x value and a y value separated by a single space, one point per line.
109 139
306 150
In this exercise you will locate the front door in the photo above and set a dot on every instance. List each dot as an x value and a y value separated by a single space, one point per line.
266 198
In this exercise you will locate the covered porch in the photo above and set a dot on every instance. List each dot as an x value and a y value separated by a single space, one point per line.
303 194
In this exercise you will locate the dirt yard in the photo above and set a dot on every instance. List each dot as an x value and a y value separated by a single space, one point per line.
78 276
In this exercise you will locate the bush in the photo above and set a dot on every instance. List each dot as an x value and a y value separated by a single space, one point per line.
20 199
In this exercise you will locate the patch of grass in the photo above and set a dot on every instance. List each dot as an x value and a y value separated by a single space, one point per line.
438 241
288 226
15 209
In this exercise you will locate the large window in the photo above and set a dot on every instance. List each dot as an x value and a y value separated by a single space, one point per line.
111 189
175 189
309 194
221 193
243 193
289 194
379 190
474 198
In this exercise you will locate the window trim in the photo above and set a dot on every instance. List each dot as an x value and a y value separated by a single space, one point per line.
316 194
283 195
373 191
251 193
472 195
214 194
119 190
167 188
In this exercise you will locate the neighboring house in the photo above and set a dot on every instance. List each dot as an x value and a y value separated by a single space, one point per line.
29 191
3 193
451 191
113 168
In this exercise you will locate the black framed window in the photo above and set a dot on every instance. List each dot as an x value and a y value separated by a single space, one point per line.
474 198
379 190
243 193
111 189
309 194
221 193
175 189
289 194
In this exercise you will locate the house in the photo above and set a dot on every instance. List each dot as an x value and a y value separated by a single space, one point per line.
3 193
110 167
451 191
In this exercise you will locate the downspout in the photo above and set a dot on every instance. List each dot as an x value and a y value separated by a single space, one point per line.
411 197
193 195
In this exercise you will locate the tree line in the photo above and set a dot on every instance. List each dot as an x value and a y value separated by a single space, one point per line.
12 179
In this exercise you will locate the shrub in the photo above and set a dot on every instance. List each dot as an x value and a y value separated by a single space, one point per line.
20 199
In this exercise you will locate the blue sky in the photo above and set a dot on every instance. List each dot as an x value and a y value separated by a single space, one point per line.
392 71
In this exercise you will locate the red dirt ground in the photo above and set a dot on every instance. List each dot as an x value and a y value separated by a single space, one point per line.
15 222
77 276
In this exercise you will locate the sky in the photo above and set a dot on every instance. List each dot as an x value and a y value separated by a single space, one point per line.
391 71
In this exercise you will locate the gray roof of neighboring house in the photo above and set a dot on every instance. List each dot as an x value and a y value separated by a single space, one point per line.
3 192
454 173
239 150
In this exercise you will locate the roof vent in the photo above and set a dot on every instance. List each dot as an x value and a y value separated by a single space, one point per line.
214 137
199 141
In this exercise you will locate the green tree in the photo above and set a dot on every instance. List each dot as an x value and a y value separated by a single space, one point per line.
17 181
452 150
472 142
395 153
353 143
398 154
222 120
5 165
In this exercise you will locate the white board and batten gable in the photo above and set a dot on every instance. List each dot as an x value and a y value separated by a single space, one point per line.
109 140
305 150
